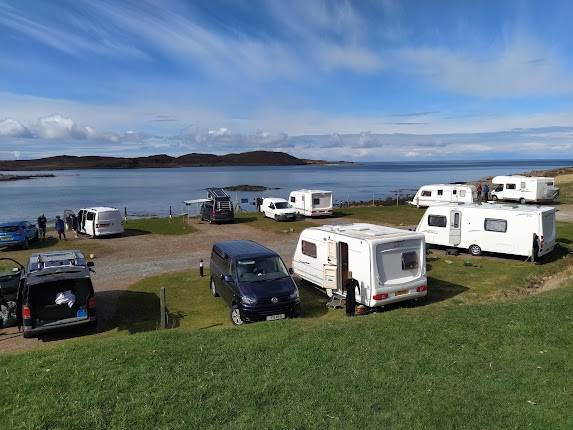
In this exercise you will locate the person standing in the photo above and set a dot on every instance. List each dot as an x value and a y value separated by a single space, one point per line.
350 286
486 192
60 228
42 223
479 191
75 225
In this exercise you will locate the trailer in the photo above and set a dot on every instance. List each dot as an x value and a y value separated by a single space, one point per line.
311 203
524 189
527 231
429 195
388 263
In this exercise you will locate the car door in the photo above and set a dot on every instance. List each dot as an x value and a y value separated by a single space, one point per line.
271 210
227 287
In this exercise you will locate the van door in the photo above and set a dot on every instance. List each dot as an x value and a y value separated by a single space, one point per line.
89 225
455 228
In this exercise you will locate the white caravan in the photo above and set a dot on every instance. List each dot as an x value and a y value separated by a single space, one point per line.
311 202
528 231
429 195
277 209
388 263
524 189
100 221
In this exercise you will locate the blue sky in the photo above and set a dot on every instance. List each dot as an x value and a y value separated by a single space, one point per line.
365 80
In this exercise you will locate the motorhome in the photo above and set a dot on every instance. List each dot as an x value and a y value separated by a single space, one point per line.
100 221
489 227
311 203
524 189
429 195
388 263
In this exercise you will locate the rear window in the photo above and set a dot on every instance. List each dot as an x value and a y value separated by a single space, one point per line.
309 249
398 261
9 229
109 215
409 260
45 294
90 216
437 221
293 199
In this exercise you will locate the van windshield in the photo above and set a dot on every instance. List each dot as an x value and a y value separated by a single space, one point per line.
282 205
261 269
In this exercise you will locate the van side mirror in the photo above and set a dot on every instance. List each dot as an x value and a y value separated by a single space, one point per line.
290 271
226 278
90 264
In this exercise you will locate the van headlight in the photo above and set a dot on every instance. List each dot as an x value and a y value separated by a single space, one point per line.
246 300
294 295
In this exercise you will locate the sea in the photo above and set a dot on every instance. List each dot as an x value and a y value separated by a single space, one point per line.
154 192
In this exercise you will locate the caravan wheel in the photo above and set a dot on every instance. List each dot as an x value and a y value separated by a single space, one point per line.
522 201
475 250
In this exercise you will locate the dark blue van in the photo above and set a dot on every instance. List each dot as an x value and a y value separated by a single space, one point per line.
253 281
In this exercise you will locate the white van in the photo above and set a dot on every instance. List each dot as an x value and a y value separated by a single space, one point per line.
509 229
388 263
429 195
311 202
277 209
100 221
524 189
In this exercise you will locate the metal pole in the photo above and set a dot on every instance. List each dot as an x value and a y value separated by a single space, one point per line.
162 308
125 214
201 274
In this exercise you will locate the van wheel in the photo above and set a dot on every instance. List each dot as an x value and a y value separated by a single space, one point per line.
213 289
236 315
522 201
475 250
494 198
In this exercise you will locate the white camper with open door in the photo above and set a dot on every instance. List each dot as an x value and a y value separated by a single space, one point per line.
527 231
100 221
311 203
524 189
388 263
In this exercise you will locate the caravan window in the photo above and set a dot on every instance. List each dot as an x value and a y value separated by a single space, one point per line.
426 193
440 192
523 185
510 186
409 260
454 192
437 221
462 193
309 249
293 199
315 201
497 225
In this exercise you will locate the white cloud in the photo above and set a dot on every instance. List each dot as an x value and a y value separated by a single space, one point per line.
12 128
61 127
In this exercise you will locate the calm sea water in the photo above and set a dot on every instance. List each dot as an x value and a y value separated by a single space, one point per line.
151 191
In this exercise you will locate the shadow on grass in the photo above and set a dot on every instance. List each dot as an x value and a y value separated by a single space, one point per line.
129 232
245 219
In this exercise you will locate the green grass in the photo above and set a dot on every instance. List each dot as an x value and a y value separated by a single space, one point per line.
165 226
565 192
394 215
258 220
503 365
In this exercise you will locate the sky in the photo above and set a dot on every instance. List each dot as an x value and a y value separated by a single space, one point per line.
338 80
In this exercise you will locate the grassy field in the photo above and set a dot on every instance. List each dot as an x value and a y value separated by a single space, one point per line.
503 365
176 226
403 215
565 184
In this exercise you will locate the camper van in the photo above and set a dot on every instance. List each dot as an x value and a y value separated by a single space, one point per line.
388 263
524 189
217 207
509 229
429 195
100 221
311 202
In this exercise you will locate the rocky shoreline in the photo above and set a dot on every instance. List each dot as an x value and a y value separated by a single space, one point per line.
9 178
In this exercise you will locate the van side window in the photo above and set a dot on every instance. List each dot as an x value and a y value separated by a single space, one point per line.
462 193
426 193
497 225
90 216
437 221
293 199
309 249
440 192
510 186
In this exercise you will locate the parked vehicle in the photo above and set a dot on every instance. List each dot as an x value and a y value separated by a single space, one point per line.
219 208
100 221
311 203
388 263
524 189
277 209
17 233
56 293
10 275
253 281
509 229
429 195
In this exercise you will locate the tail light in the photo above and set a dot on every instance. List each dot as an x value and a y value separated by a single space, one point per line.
381 296
92 303
421 288
26 312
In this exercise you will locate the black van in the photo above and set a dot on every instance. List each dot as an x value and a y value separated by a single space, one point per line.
253 281
219 208
56 293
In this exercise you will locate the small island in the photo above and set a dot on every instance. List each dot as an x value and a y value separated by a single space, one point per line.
8 178
250 188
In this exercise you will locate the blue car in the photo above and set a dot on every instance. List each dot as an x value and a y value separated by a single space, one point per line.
18 233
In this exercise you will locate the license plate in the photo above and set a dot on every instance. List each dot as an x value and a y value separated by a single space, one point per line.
401 292
5 238
275 317
81 313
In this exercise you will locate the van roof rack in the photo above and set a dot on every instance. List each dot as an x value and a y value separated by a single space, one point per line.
217 193
40 261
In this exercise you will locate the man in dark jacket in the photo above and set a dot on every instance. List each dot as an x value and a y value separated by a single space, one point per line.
42 223
350 286
60 228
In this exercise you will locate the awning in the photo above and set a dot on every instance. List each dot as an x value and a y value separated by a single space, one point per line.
196 201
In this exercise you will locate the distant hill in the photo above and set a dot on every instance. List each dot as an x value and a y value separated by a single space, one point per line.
253 158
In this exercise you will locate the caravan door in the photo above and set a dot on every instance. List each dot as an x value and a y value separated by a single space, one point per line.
455 228
330 269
